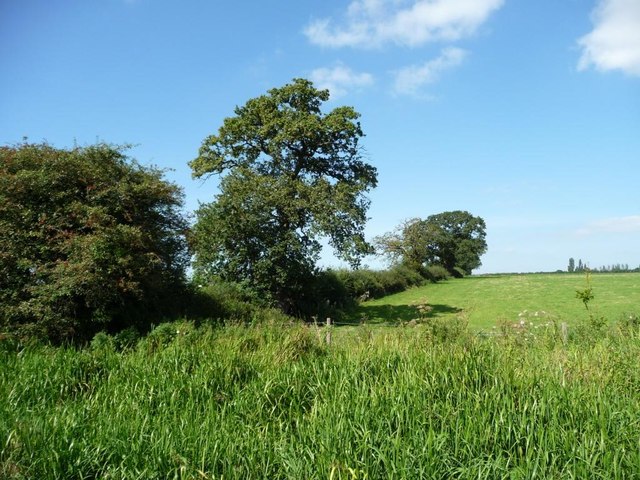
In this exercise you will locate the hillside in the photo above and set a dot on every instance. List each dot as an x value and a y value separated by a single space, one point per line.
488 301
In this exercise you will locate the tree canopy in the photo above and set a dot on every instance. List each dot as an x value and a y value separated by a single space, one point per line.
454 240
89 240
291 175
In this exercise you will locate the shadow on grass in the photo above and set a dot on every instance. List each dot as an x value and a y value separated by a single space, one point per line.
394 314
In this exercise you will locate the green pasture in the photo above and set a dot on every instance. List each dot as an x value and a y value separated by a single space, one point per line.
488 301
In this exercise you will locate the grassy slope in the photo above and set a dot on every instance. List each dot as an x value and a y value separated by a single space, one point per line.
487 301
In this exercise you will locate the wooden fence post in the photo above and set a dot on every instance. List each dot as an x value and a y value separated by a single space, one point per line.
564 333
328 335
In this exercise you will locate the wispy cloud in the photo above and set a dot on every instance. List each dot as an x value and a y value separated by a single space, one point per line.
630 224
614 42
410 80
340 80
373 23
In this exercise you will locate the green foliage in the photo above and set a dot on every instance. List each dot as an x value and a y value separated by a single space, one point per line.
585 295
459 272
223 301
446 330
596 322
454 240
436 273
290 175
162 335
457 240
363 284
127 338
616 268
88 239
102 341
407 245
275 402
329 296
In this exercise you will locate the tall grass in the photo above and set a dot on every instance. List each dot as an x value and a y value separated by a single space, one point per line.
276 402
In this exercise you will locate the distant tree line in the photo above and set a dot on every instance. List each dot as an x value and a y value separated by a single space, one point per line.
618 267
614 268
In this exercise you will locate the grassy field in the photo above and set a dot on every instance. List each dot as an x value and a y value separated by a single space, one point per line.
488 301
274 401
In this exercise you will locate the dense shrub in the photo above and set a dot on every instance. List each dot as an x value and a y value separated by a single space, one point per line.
458 272
217 300
329 294
400 278
225 302
89 240
365 283
360 282
436 273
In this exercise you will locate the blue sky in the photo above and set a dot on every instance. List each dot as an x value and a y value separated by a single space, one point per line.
526 113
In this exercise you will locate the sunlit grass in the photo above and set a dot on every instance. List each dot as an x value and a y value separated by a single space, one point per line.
488 301
277 402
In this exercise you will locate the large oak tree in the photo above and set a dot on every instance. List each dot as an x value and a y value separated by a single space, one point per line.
291 175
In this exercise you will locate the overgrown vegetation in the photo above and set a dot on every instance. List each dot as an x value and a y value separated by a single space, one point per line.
274 401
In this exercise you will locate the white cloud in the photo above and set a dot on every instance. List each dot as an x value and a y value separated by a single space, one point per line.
340 79
630 224
409 80
372 23
614 42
